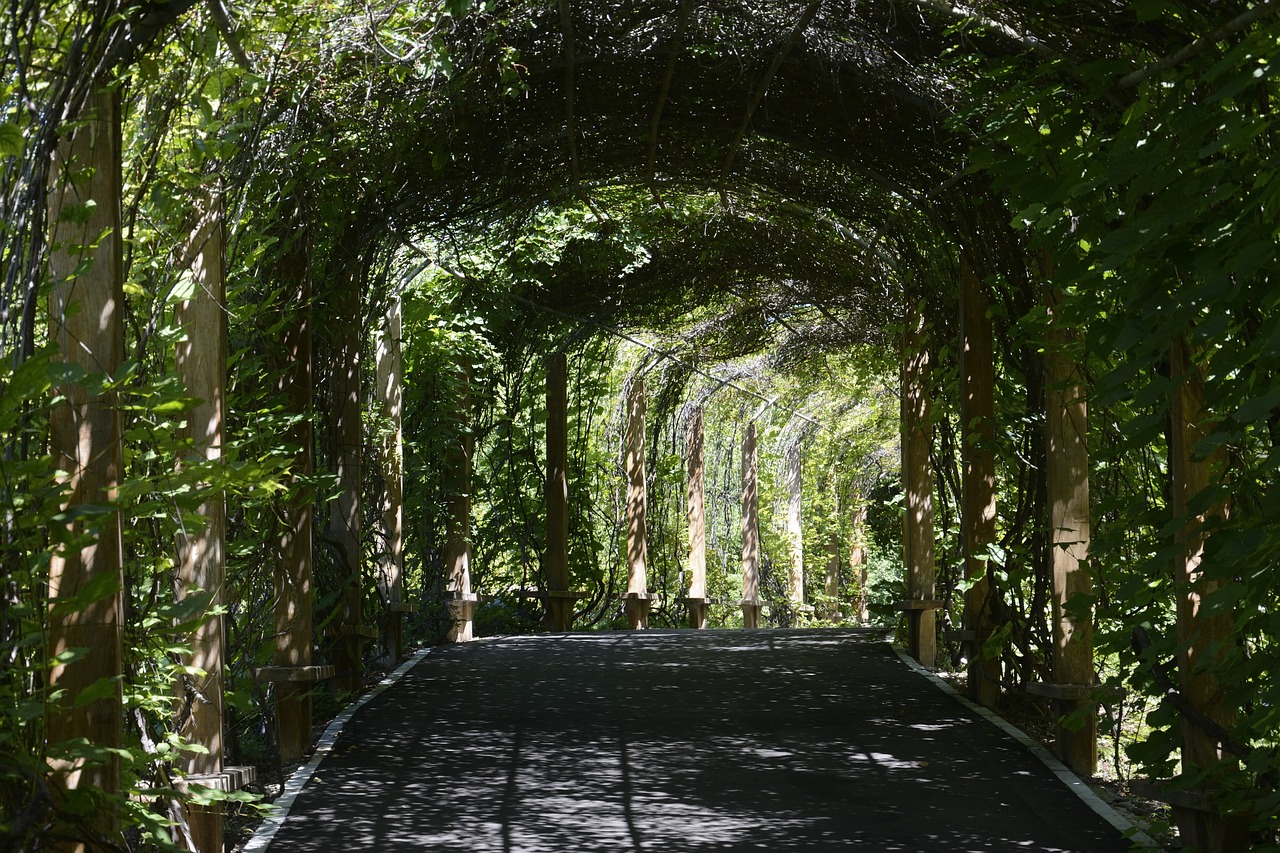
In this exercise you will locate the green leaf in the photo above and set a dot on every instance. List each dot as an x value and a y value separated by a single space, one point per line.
11 141
103 688
1259 407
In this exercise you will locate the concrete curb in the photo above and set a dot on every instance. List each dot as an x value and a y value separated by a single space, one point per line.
298 780
1078 786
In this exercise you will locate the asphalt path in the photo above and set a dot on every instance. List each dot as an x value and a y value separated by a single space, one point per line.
680 741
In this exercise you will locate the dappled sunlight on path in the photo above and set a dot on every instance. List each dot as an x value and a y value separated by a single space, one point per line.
680 740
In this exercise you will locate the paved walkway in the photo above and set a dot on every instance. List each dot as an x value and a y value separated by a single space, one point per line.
680 741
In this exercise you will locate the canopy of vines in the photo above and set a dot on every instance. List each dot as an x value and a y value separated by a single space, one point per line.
750 204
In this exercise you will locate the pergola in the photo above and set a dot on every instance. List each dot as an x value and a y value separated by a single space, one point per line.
823 149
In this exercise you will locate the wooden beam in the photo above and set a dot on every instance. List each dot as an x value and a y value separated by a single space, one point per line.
637 602
750 531
794 477
977 429
85 323
917 476
559 608
858 558
293 575
345 512
201 361
1067 478
1202 637
458 522
831 583
390 395
695 465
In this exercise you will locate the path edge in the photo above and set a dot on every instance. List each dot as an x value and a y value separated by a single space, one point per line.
298 780
1078 786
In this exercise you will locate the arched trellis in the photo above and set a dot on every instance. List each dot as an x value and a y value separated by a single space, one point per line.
745 166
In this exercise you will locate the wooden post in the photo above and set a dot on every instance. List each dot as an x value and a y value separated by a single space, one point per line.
345 510
85 308
461 600
831 585
201 362
917 474
793 475
1067 470
977 426
637 597
695 465
858 558
390 391
560 605
750 531
293 590
1200 636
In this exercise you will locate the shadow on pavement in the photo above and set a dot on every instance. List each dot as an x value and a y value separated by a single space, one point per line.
680 741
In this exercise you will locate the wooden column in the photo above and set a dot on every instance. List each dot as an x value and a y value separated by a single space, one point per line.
390 392
831 584
85 308
201 362
560 603
293 589
977 429
637 598
795 525
695 466
917 476
461 600
858 559
751 604
1201 636
345 510
1067 478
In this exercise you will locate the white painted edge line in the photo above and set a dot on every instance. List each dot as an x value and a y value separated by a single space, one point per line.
1081 789
298 780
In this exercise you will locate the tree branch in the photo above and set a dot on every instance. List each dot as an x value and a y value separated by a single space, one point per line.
1235 25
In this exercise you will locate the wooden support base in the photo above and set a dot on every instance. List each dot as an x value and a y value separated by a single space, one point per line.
293 673
637 605
920 642
698 607
560 606
205 823
751 612
293 706
1201 826
1077 748
462 609
229 780
348 655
